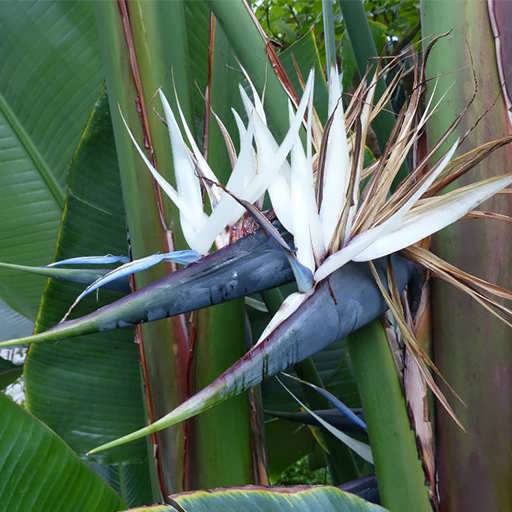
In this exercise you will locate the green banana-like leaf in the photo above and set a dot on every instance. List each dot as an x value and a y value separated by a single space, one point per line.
38 471
273 499
101 371
50 79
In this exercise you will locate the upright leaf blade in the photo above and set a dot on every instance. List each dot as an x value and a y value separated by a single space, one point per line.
145 30
38 133
101 371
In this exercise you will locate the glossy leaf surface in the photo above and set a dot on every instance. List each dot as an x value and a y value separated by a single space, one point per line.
277 499
38 471
50 77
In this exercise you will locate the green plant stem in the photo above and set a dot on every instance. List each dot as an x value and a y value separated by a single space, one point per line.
220 449
329 37
146 232
399 472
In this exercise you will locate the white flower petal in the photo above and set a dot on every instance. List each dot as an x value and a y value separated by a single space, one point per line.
360 242
164 184
337 164
244 171
275 160
287 308
203 165
239 124
302 204
248 104
189 187
228 211
334 89
279 187
433 215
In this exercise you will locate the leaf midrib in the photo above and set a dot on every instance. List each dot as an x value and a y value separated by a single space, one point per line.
40 164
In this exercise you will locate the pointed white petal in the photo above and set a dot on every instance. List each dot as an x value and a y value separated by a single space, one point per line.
189 187
246 101
337 164
279 192
187 181
334 89
430 178
164 184
360 242
433 215
364 118
289 139
205 169
249 105
228 210
302 204
274 166
279 187
287 308
245 168
315 226
239 124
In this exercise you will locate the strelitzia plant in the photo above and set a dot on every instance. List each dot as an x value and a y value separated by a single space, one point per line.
336 226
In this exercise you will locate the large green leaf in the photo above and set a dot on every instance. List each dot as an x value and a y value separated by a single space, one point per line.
258 499
39 472
50 76
90 389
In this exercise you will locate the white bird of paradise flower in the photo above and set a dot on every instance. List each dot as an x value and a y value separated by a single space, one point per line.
330 229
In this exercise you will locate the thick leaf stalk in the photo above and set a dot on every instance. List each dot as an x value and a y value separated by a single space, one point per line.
399 471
